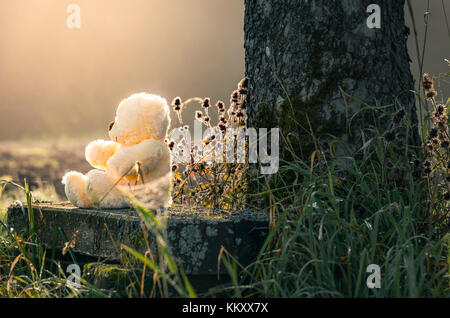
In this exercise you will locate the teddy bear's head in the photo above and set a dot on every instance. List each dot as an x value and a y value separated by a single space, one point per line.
140 117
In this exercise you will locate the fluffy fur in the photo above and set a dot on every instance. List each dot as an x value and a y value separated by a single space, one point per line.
137 143
75 188
102 190
99 151
140 117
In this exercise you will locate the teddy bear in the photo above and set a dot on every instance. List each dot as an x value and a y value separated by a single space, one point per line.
136 154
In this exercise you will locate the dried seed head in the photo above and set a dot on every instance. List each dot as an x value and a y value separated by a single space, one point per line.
240 114
433 133
234 97
244 83
176 101
427 82
198 114
177 104
440 109
430 94
222 127
206 103
220 105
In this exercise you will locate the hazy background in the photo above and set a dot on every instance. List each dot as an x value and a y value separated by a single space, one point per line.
56 81
438 41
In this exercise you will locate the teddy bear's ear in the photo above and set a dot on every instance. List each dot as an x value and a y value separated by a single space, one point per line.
111 125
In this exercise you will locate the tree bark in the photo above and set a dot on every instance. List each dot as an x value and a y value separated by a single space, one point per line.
309 50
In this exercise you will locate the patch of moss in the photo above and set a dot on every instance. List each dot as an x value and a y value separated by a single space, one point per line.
106 276
299 118
109 271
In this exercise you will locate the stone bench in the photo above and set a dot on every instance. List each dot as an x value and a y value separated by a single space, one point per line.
194 236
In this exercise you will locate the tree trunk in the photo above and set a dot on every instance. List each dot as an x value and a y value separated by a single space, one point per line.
309 50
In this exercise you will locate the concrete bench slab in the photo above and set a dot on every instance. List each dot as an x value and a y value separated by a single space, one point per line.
194 236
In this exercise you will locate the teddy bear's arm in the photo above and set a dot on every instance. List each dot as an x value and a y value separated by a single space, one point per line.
99 152
147 153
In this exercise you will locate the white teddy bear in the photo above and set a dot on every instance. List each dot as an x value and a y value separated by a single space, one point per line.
137 153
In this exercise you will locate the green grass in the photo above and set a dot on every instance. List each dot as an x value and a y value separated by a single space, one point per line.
339 220
334 218
335 215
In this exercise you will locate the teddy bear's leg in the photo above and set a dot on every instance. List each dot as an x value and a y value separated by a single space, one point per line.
103 191
75 188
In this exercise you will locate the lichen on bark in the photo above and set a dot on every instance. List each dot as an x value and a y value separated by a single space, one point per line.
310 50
